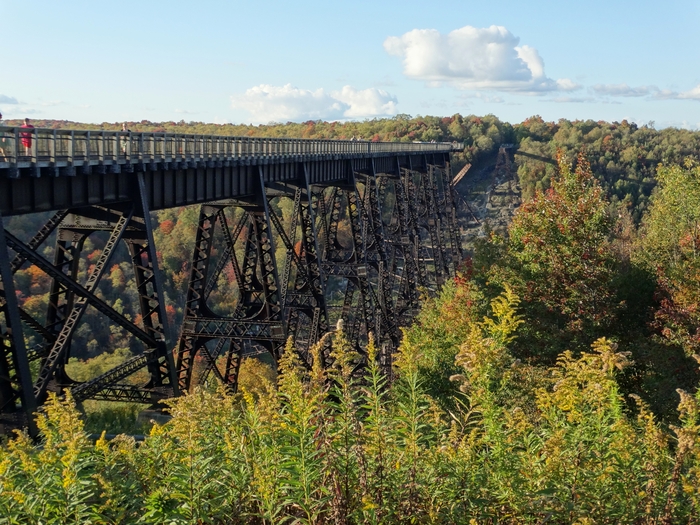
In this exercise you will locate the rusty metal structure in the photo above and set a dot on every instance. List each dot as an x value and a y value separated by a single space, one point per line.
305 231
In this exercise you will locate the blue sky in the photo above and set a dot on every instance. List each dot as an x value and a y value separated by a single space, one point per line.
256 62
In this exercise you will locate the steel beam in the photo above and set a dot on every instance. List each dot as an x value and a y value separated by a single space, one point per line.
15 377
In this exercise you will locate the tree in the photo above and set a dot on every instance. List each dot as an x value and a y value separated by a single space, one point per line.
670 246
560 261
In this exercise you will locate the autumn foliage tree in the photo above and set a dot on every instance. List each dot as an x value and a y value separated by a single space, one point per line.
560 261
670 247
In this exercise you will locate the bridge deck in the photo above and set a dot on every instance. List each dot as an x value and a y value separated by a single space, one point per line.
68 168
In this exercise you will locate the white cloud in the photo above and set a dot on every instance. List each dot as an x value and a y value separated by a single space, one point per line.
4 99
473 58
622 90
273 103
369 102
693 94
667 94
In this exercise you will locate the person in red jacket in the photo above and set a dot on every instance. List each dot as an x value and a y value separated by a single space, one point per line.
27 138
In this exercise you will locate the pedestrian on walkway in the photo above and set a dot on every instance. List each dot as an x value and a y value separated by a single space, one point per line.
27 138
125 138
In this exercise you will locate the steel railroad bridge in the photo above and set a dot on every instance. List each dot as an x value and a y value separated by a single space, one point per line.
366 226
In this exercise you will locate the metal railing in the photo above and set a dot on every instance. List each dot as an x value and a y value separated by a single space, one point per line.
24 147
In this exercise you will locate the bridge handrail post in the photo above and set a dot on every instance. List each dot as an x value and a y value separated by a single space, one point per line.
101 148
16 145
88 153
71 150
52 148
34 152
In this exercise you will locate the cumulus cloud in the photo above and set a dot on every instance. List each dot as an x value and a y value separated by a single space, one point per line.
4 99
474 58
667 94
693 94
274 103
622 90
369 102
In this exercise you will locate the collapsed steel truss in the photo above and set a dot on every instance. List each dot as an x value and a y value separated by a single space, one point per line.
297 256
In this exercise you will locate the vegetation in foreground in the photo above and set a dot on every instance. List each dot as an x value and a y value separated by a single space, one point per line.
521 446
541 386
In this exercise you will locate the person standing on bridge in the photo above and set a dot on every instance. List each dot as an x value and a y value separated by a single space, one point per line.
27 138
125 138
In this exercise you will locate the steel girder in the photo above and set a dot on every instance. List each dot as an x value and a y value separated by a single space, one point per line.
69 298
17 402
257 319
